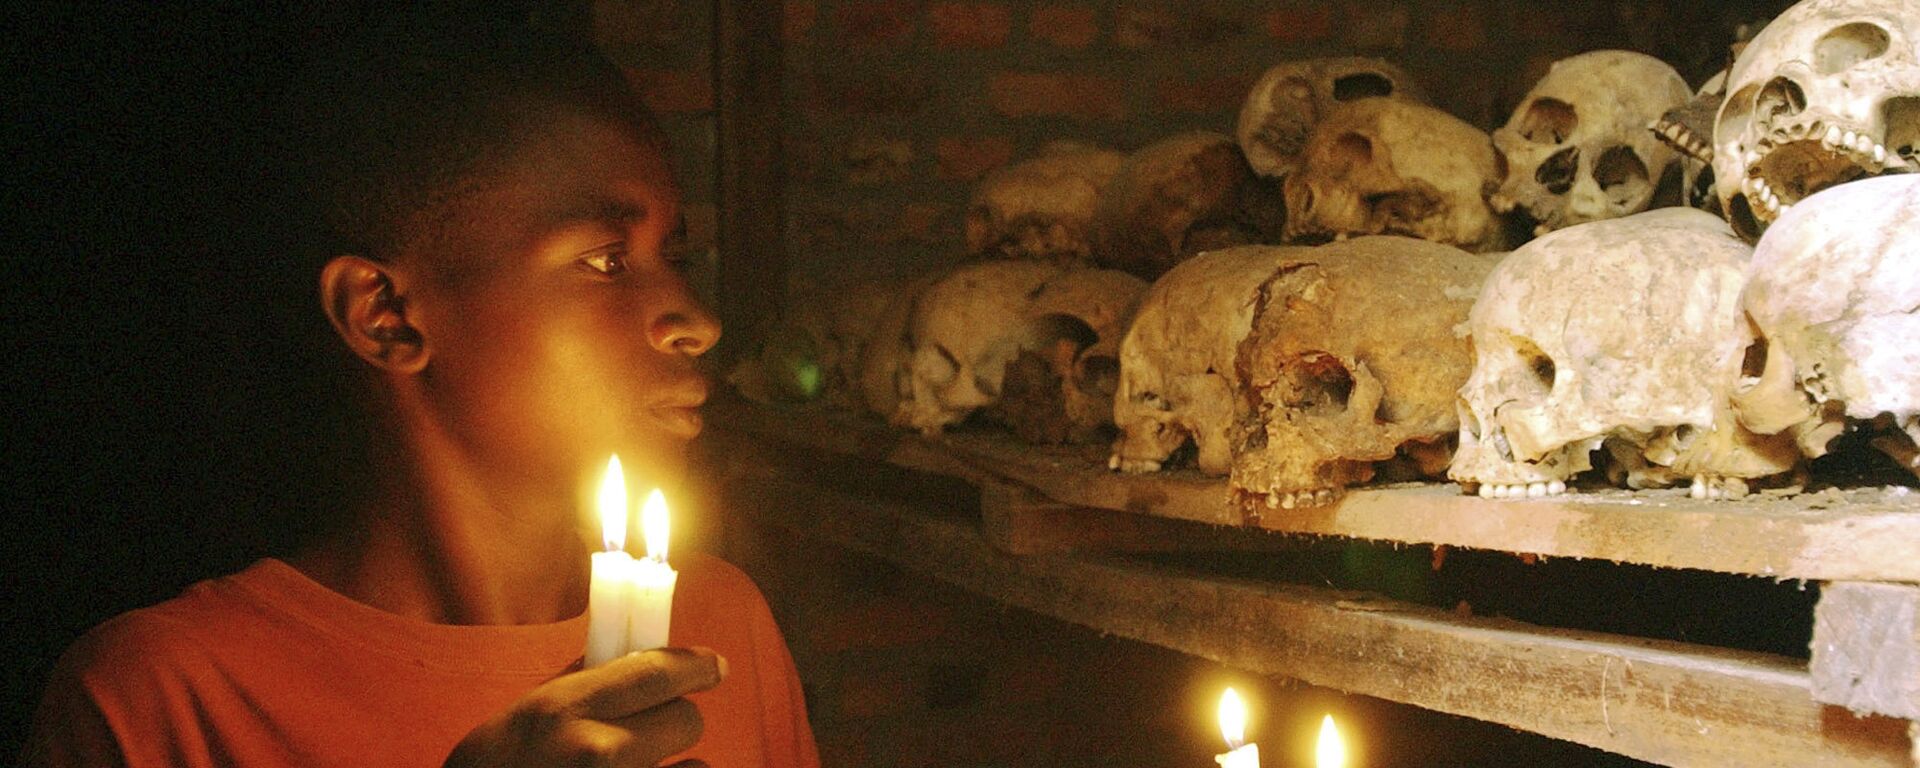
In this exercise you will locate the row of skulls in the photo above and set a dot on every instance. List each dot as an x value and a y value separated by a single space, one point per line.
1661 339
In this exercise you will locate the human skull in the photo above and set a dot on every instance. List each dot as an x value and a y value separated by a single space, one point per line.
967 326
1578 147
886 353
1063 393
1042 208
1353 358
1625 332
1381 166
1827 93
1179 196
1292 97
1177 380
1832 290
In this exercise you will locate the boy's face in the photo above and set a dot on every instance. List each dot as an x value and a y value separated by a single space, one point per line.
557 320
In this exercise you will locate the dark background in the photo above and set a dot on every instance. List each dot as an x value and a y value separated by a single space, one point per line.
161 426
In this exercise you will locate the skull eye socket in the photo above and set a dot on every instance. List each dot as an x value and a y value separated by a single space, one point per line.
1351 149
1847 45
1099 375
1361 85
1621 174
1540 370
1558 172
1317 384
1548 121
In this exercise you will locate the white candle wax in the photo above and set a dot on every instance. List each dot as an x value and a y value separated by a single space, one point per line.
608 607
650 606
629 602
1247 756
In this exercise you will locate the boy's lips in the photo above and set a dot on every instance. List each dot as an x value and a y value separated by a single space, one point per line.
680 413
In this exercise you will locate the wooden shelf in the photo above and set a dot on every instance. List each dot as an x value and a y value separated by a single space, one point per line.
1050 523
1868 534
1663 702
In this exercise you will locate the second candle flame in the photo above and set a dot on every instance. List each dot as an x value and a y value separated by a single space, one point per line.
1331 752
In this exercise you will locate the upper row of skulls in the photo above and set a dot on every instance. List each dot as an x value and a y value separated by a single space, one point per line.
1327 148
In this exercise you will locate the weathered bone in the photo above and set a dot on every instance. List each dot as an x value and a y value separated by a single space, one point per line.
1292 97
1041 209
1381 166
1832 290
1177 197
1828 93
1353 358
1624 332
1578 148
1177 380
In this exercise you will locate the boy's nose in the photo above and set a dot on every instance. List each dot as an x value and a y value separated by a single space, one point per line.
688 330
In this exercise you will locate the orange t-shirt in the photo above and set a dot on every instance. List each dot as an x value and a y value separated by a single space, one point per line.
267 667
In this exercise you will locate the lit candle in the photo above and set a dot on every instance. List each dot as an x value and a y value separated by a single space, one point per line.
1233 725
629 602
653 580
1330 752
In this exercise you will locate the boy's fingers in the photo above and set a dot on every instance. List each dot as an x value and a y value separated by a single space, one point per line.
653 734
639 681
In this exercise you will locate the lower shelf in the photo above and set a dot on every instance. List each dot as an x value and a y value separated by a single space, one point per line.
1667 703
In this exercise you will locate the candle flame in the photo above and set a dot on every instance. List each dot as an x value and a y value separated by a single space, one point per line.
653 525
1233 719
1331 752
613 506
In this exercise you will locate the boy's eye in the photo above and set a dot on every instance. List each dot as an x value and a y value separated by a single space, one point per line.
610 261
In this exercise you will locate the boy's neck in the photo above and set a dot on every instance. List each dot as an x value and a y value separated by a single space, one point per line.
437 544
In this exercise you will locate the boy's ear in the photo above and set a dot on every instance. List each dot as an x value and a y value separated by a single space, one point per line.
368 310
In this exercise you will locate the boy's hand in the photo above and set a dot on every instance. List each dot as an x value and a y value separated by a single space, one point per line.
629 711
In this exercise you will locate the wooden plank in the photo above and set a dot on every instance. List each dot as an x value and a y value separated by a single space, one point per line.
1016 520
1869 534
1667 703
1866 648
750 179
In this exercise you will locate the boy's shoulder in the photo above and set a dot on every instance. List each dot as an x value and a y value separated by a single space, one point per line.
164 643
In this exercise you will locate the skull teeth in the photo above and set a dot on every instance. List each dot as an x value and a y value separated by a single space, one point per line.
1717 487
1860 149
1534 490
1307 499
1132 466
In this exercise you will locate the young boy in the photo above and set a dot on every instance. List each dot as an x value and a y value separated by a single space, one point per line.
498 214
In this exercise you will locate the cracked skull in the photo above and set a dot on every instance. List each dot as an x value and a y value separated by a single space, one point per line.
1177 380
1353 358
1578 148
1384 167
1625 333
1041 209
1291 98
1833 291
1829 92
966 327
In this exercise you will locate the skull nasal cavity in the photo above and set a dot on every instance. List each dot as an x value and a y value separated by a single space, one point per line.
1549 121
1363 85
1782 97
1849 44
1558 172
1617 166
1319 384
